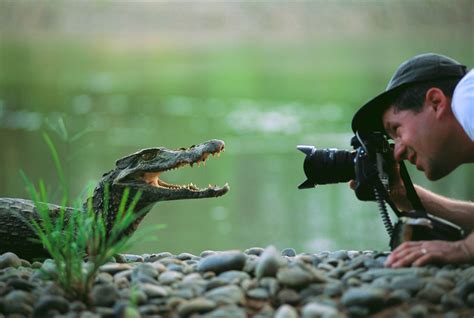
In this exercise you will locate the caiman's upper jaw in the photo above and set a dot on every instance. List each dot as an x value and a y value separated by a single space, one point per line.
144 173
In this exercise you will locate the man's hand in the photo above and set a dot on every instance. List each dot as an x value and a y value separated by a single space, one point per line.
420 253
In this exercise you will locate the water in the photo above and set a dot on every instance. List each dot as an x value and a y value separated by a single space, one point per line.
102 93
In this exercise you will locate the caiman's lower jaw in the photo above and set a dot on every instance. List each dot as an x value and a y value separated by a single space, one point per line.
153 179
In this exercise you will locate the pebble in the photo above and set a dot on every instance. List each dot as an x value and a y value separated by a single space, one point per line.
9 260
196 306
153 291
371 297
289 252
49 303
294 277
316 310
226 294
269 263
170 277
260 283
222 262
286 311
104 295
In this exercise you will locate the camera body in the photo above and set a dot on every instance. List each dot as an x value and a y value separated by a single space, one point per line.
371 158
370 164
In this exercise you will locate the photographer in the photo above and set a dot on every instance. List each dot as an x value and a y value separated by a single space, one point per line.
428 111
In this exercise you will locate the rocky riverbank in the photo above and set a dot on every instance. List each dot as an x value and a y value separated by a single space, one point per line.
256 283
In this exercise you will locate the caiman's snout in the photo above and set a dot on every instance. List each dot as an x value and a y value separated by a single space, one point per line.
146 166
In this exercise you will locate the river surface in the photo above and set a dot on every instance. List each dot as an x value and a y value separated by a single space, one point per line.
102 90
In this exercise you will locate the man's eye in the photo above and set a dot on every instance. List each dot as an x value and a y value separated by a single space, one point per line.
148 155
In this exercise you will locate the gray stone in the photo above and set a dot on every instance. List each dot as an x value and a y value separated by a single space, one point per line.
418 311
294 277
216 282
77 306
105 312
156 257
197 305
125 310
149 310
289 252
114 268
104 295
234 277
48 270
170 277
226 311
451 301
286 311
132 258
251 264
258 293
271 284
470 300
18 302
358 312
207 253
49 303
159 266
333 289
20 284
254 251
226 294
222 262
9 260
185 256
175 267
432 294
339 255
316 310
153 291
371 297
145 269
104 278
411 283
269 263
288 296
397 297
266 311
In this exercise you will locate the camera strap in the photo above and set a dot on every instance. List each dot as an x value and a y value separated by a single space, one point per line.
411 192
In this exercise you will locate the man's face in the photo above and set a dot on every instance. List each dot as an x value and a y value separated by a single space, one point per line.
417 140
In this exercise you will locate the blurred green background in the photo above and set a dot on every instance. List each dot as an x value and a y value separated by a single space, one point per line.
262 76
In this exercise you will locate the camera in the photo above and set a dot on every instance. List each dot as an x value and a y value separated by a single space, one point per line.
370 160
370 164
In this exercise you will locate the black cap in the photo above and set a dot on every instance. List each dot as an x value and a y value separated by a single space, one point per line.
421 68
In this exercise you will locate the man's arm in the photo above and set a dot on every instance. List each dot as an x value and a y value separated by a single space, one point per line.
456 211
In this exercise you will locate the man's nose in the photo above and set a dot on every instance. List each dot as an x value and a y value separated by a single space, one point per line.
399 151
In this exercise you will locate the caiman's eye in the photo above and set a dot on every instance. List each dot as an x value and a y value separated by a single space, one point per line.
148 155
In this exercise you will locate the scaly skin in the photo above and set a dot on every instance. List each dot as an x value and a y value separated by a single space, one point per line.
139 171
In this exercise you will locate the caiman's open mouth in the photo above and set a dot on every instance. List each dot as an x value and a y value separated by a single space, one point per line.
153 178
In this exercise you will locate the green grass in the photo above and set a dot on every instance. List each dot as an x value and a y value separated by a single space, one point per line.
74 235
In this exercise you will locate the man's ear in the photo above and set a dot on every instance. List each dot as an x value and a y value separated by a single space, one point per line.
437 100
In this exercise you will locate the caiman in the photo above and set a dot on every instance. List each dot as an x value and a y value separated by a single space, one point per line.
140 171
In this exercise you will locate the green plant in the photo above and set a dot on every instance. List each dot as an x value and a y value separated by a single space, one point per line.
77 232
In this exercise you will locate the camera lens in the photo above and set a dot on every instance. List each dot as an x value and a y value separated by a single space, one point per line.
323 166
